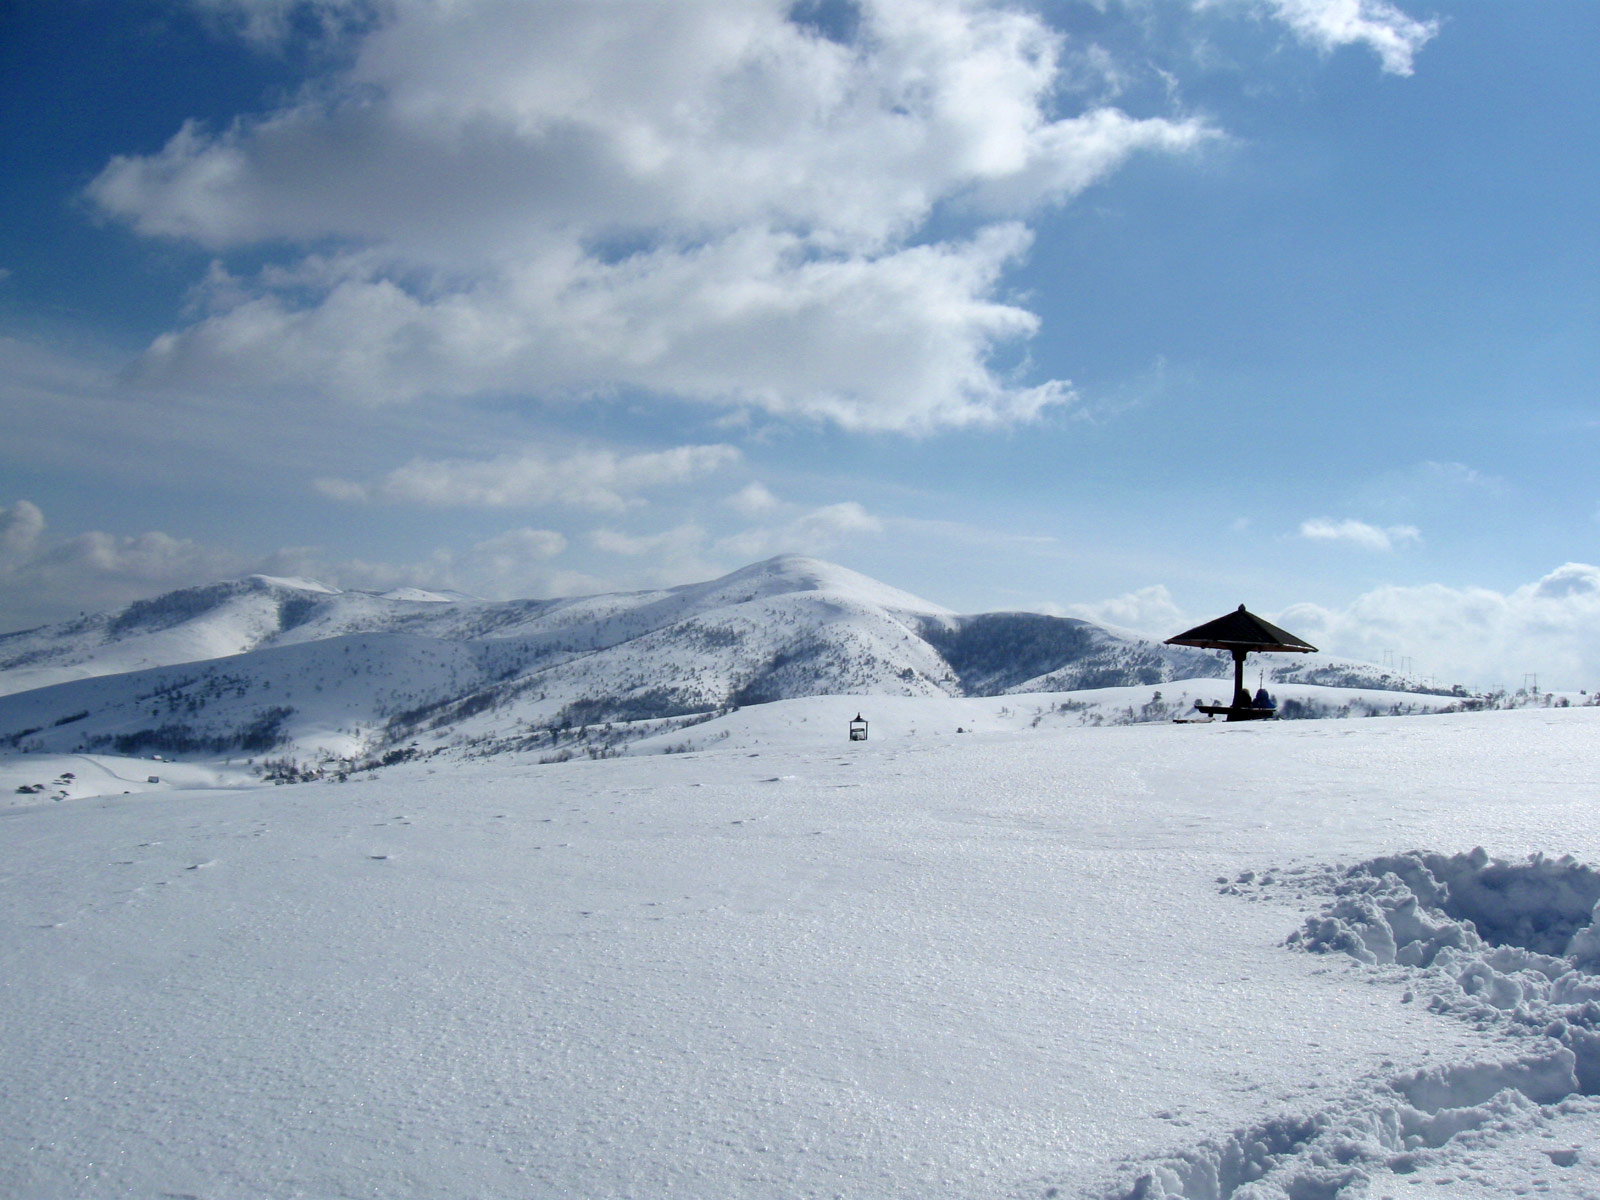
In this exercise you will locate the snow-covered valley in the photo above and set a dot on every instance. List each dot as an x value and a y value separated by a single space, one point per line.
1024 961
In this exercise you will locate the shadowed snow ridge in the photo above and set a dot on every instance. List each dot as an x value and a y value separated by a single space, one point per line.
1512 947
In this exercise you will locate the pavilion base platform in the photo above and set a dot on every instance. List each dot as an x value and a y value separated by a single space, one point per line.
1237 712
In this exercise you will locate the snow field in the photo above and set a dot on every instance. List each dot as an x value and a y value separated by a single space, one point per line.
803 724
62 777
932 966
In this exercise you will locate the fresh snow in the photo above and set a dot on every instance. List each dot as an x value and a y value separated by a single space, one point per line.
59 777
1030 961
423 596
296 583
318 675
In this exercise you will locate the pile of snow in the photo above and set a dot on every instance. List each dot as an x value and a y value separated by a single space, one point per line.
1510 947
1492 941
1423 909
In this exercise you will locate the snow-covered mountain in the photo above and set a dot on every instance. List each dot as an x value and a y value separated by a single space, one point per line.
260 663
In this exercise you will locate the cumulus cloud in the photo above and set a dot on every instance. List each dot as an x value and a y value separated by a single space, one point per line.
753 500
808 531
1377 24
709 200
144 557
1472 635
672 544
593 479
1148 610
689 552
44 578
511 563
1359 533
516 563
20 527
898 341
836 520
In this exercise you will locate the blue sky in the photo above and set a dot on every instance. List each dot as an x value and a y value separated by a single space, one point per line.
1134 310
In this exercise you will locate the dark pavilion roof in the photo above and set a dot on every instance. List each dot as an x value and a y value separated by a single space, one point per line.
1241 630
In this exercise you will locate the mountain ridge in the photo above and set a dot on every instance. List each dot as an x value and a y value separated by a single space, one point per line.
264 662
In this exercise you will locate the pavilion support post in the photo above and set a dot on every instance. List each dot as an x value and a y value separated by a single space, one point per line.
1238 676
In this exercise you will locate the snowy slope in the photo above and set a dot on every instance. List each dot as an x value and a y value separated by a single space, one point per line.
312 673
1067 962
195 624
260 611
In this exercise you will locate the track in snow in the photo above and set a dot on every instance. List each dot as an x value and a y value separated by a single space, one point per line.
1511 947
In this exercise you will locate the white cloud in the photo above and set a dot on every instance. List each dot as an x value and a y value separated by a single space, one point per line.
145 557
688 552
703 198
20 527
813 531
593 479
893 341
753 500
1472 635
838 520
1378 24
1148 610
672 544
515 563
45 579
1359 533
510 562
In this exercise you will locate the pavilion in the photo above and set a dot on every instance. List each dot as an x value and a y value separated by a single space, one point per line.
1239 633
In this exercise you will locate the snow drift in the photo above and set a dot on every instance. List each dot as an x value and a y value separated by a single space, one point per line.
1508 946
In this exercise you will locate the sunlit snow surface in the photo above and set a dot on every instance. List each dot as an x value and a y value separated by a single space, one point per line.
1014 963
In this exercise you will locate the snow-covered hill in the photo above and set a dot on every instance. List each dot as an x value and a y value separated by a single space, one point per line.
265 664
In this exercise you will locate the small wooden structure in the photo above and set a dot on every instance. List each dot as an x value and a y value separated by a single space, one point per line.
1239 633
858 729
